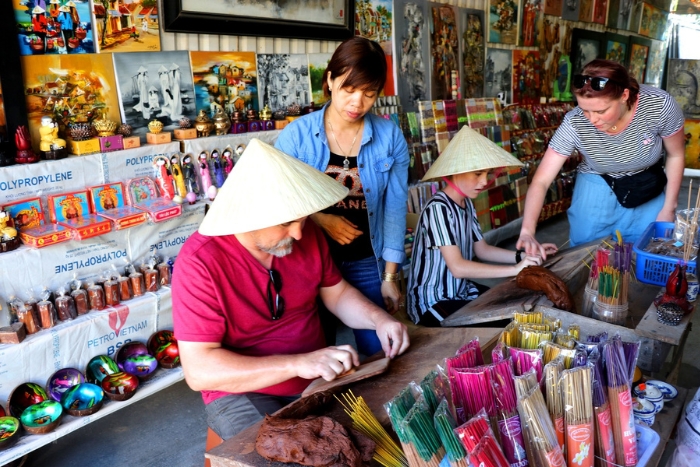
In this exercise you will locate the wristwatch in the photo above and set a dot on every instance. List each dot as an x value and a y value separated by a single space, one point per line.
518 256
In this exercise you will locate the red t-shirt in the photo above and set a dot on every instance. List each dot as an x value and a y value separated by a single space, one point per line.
220 295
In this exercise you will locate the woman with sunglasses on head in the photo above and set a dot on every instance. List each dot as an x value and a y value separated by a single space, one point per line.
623 130
367 154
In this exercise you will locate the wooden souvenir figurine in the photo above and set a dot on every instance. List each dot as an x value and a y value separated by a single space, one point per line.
9 238
222 123
25 155
178 177
51 146
208 189
218 167
155 134
190 179
203 124
163 176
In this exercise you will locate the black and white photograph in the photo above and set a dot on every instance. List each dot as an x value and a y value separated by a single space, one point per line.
585 47
154 85
283 80
682 84
498 73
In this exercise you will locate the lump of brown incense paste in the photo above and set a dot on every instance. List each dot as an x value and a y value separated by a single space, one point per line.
315 441
543 280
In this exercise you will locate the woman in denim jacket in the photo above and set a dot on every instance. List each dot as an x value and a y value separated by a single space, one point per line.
367 154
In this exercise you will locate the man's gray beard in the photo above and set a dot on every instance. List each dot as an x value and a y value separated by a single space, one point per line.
282 248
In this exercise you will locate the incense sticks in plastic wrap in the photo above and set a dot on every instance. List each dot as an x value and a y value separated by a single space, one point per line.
525 383
578 400
555 401
525 359
423 438
435 387
499 352
397 409
476 346
544 448
509 429
605 441
475 389
477 438
445 425
387 452
467 358
620 398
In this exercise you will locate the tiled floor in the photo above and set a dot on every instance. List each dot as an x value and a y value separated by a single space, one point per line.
169 428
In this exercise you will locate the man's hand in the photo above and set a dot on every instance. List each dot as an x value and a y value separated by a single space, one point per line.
393 335
337 227
327 363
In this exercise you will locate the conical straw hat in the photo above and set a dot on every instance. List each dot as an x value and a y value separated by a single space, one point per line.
469 151
267 188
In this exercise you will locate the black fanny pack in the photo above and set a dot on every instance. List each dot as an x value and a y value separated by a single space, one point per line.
634 190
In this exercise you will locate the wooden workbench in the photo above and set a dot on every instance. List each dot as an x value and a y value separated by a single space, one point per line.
428 347
657 339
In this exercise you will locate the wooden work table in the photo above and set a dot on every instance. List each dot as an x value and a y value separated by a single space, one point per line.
428 347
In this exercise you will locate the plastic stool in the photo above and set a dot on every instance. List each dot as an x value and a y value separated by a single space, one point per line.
213 440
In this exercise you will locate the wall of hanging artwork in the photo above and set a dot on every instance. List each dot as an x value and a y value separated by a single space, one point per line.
412 36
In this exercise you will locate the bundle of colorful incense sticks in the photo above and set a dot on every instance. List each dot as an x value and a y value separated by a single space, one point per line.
578 400
387 452
525 383
614 271
445 426
525 359
544 448
605 440
592 283
499 352
487 453
552 351
466 359
511 334
475 389
428 385
565 340
555 401
574 331
532 338
620 398
470 432
424 440
509 429
473 344
397 409
528 317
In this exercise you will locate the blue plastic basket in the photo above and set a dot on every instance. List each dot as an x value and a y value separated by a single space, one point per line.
651 268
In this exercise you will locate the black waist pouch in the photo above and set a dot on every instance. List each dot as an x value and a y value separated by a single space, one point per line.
634 190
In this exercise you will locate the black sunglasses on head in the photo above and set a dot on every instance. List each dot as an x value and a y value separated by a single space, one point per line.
275 303
597 83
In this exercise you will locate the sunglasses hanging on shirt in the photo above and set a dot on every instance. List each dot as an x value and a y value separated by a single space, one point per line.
275 302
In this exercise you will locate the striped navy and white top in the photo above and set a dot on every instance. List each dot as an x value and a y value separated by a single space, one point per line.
442 222
636 148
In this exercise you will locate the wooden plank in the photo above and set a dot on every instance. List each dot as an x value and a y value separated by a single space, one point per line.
650 327
428 347
665 422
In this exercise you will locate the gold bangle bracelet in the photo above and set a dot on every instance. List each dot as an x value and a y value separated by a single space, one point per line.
390 276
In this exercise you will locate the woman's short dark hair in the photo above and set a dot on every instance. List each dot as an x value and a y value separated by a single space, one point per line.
619 78
364 59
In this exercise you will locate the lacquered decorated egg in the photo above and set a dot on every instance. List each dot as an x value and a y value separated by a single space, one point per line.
127 350
42 417
2 411
163 346
9 432
140 365
62 380
82 399
23 396
120 386
99 367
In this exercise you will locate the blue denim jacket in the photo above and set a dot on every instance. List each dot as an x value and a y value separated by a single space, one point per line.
383 166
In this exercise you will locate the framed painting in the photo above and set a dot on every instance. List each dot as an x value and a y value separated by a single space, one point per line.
498 74
412 35
283 80
526 76
304 19
224 79
616 48
656 63
154 85
600 11
137 29
682 84
444 50
639 52
571 10
585 13
692 144
553 7
374 21
585 46
473 52
503 21
12 106
318 62
619 13
531 22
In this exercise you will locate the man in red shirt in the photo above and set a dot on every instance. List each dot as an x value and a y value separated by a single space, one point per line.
245 288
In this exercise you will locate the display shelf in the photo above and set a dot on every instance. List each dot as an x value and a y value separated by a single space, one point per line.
28 443
195 146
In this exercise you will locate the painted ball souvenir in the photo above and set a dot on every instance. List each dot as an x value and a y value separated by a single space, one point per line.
125 129
23 396
41 418
163 346
9 432
127 350
63 380
120 386
83 399
142 366
2 411
99 367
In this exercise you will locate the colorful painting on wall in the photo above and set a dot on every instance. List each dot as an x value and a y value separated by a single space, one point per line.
498 73
155 85
318 63
533 15
682 84
616 48
526 76
503 21
600 11
126 25
54 27
444 51
692 144
224 79
553 7
653 22
473 54
638 60
70 88
656 63
283 80
373 20
412 36
585 12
